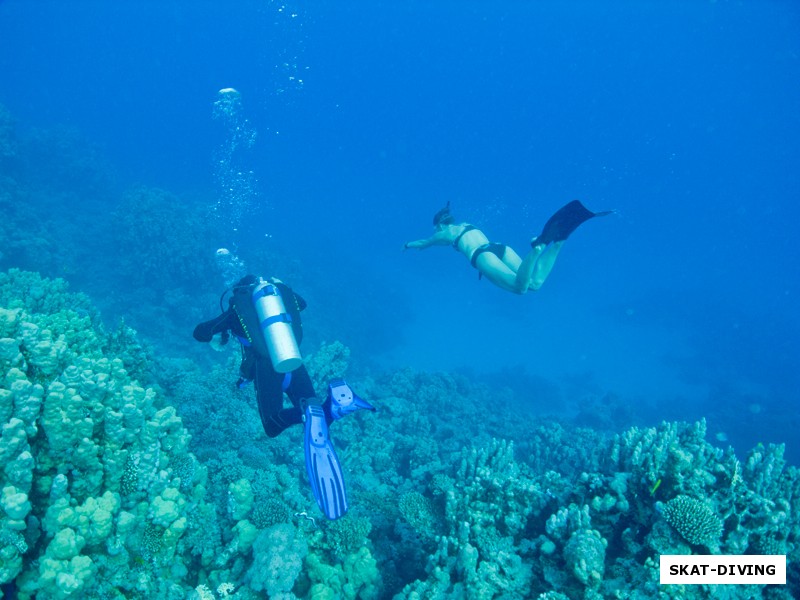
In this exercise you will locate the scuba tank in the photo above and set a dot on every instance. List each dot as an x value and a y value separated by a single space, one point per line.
276 327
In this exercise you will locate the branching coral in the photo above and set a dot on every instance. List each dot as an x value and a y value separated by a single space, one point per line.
694 520
419 512
347 535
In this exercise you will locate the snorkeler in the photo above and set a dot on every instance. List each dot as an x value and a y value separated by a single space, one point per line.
264 315
498 262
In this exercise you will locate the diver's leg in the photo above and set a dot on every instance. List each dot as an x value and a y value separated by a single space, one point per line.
301 389
526 270
269 393
545 264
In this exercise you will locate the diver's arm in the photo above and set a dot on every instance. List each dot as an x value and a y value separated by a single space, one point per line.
208 329
301 302
440 238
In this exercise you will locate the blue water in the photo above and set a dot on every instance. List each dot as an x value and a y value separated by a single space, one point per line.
682 116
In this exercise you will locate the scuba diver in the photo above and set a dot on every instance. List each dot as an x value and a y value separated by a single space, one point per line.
498 262
264 315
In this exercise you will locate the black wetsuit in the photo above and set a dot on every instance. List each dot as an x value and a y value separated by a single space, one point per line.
256 364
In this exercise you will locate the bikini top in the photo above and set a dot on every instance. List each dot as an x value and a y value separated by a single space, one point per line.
467 228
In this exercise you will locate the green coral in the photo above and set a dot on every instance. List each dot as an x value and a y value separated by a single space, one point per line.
694 520
87 454
348 534
585 554
240 499
278 554
357 577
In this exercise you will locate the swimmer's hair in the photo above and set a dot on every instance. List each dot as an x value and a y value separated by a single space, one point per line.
443 217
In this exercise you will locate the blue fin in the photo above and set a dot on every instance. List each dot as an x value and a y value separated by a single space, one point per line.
322 465
342 400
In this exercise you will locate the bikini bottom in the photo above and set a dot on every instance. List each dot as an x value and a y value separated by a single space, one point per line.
499 250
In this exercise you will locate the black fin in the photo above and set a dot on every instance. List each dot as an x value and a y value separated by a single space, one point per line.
566 220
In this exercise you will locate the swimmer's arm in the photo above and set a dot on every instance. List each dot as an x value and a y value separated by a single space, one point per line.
440 238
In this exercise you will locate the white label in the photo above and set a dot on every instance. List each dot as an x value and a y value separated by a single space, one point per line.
714 568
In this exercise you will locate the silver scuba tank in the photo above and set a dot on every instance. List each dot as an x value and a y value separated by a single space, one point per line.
276 325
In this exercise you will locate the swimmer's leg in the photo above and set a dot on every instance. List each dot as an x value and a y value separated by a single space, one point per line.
544 265
496 271
526 269
511 259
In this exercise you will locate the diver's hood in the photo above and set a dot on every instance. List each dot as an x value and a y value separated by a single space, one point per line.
245 281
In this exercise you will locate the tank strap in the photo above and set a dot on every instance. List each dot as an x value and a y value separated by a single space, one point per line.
267 290
287 380
281 318
271 290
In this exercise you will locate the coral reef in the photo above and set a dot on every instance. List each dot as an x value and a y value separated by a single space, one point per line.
152 250
522 530
110 488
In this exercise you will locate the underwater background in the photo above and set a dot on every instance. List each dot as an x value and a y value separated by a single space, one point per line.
551 445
